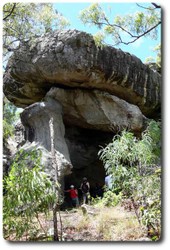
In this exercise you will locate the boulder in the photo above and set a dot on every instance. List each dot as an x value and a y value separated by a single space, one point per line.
36 119
70 59
99 110
63 166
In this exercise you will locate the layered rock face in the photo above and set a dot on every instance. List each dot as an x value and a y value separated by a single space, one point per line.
89 90
70 58
37 121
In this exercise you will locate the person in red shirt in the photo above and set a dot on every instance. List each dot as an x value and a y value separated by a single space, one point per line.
73 195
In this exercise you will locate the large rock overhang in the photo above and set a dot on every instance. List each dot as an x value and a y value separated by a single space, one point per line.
91 93
70 59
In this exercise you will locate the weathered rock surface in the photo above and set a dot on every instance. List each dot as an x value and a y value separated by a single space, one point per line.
9 149
94 109
70 58
63 165
36 119
19 134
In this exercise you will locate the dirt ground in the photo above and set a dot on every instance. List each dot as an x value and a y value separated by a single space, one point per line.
101 224
95 224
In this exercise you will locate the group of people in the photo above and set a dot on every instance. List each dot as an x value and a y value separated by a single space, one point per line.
85 189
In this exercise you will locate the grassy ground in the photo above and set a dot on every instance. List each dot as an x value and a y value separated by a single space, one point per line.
98 224
105 224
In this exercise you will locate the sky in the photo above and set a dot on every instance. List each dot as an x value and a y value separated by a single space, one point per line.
142 48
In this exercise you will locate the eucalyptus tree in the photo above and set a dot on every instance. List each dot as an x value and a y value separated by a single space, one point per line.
25 21
136 25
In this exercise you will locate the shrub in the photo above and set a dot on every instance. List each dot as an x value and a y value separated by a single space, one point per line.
28 191
134 167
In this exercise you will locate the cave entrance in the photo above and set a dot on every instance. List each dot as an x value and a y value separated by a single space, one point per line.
83 146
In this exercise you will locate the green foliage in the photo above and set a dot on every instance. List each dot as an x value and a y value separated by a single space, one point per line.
28 191
93 14
99 39
24 21
109 199
9 111
154 132
8 130
10 116
134 166
151 60
141 22
148 195
124 29
157 49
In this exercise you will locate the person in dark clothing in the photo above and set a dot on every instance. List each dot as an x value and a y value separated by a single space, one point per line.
85 188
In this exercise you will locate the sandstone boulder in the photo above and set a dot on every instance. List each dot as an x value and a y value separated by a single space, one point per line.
94 109
71 59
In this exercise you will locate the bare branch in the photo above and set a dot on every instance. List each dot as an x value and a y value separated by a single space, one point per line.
10 13
136 37
149 8
114 25
156 6
146 8
143 34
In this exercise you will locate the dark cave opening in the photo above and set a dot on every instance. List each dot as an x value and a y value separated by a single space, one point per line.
84 145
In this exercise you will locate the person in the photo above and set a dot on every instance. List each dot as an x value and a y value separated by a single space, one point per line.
108 181
85 188
73 195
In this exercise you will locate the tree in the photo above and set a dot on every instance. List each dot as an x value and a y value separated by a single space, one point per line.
24 21
124 29
56 206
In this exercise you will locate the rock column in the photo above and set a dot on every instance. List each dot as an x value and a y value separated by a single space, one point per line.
36 119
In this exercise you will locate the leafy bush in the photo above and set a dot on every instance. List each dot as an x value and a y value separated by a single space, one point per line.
148 195
134 167
110 198
28 191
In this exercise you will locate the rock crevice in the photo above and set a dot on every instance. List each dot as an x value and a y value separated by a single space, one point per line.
98 110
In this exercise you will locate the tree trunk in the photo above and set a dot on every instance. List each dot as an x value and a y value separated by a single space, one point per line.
55 209
54 165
